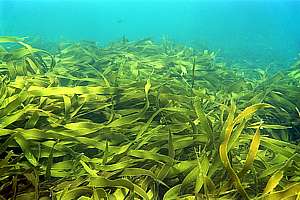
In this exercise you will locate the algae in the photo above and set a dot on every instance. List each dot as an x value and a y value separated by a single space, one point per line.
143 120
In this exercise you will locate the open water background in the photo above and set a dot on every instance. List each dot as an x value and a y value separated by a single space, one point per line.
255 33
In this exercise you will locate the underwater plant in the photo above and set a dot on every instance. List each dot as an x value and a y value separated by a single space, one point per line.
140 120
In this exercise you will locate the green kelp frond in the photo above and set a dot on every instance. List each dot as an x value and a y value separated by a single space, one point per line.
141 120
24 60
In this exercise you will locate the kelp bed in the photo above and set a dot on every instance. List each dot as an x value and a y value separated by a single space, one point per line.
139 120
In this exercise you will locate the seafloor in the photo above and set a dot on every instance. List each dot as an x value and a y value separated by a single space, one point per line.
144 120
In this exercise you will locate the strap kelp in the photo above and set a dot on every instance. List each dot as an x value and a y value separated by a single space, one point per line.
24 60
143 120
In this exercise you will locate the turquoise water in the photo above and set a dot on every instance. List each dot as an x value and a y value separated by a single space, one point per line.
255 33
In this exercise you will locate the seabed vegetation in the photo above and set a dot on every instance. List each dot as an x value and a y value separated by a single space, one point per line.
141 120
